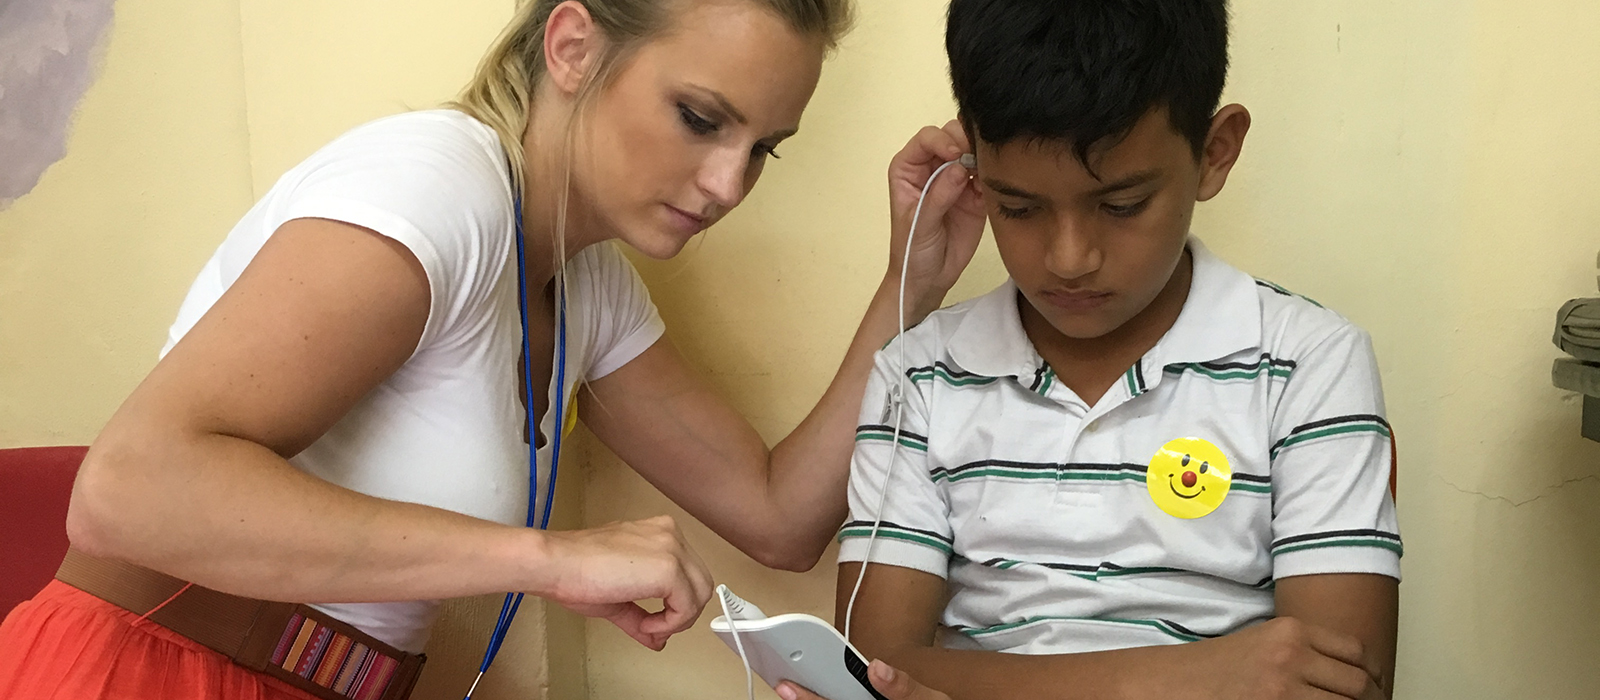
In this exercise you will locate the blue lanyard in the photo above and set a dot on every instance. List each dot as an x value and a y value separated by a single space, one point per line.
508 609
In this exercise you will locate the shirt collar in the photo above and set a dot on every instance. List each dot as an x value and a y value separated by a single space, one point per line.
1221 317
990 341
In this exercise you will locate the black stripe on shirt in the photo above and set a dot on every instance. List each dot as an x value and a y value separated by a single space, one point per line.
886 523
890 429
1380 534
1041 466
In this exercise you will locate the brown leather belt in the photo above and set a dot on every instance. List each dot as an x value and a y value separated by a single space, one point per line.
292 643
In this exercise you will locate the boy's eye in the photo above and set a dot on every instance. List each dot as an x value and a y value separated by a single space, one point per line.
696 123
1013 212
1125 210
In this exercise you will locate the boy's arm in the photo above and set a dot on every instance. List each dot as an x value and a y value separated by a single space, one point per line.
897 614
1365 607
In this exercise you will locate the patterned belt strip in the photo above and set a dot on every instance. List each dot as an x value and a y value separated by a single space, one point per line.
292 643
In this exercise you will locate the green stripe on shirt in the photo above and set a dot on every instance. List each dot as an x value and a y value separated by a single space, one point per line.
1375 543
863 435
1331 429
1158 625
925 374
889 532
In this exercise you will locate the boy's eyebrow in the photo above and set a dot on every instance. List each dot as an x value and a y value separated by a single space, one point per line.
1009 190
1131 181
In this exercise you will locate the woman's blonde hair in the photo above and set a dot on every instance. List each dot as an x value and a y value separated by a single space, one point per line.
501 93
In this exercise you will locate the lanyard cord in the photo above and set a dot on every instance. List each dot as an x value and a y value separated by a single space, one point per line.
508 608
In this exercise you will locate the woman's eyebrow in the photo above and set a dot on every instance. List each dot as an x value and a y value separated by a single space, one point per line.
726 106
722 103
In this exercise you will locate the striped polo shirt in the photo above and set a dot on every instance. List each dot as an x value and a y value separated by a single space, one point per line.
1034 505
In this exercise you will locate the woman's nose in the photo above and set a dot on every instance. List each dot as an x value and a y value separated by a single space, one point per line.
722 180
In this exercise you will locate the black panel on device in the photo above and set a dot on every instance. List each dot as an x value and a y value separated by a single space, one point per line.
858 669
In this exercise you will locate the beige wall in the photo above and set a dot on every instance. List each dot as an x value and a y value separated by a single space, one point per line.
95 260
1425 167
200 107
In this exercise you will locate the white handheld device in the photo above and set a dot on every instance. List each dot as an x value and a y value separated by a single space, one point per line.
795 647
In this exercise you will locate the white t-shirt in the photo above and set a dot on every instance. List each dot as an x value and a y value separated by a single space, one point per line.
1041 511
446 429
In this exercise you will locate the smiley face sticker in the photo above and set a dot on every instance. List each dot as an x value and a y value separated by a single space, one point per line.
1188 478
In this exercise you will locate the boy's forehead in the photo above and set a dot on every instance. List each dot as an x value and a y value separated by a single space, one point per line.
1051 165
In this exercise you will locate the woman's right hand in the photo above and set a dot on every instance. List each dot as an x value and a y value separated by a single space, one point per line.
603 572
952 218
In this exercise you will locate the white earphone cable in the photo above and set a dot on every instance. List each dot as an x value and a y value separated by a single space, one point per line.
898 396
749 678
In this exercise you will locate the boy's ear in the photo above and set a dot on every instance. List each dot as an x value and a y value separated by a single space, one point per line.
1223 145
966 127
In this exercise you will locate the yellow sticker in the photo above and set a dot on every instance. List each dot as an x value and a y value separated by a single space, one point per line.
1188 478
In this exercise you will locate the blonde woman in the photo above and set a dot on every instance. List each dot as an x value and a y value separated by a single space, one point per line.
343 416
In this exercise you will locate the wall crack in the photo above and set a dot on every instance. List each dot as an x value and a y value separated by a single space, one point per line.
1549 490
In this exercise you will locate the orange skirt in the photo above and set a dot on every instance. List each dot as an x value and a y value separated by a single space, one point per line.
66 644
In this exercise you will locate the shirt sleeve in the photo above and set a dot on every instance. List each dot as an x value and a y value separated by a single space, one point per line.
426 181
629 323
915 528
1331 459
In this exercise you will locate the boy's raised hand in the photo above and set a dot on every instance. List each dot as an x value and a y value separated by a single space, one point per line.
1282 659
893 684
952 218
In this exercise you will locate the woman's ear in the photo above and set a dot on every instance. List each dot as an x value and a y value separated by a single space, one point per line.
572 45
1223 146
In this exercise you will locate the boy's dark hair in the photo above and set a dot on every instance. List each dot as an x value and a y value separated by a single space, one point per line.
1085 71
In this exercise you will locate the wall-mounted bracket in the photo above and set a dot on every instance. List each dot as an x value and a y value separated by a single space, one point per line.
1584 378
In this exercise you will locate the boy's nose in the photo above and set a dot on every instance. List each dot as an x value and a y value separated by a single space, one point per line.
1188 480
1072 254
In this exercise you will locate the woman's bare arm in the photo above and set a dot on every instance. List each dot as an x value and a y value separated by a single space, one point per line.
191 477
782 506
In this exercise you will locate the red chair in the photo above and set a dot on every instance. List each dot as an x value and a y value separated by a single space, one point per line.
35 485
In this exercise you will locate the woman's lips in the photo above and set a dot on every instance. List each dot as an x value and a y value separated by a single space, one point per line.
1077 301
684 221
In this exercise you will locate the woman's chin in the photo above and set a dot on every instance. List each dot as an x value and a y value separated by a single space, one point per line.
655 244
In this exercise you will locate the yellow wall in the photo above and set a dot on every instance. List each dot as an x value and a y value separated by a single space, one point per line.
1424 167
199 108
95 260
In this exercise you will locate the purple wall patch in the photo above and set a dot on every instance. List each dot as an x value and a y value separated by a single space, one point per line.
48 56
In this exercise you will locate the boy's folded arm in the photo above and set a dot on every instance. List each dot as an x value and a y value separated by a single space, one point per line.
896 620
1344 641
1365 607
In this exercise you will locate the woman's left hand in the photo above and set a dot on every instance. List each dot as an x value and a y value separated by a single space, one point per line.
952 217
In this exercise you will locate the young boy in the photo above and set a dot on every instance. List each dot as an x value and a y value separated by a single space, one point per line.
1133 470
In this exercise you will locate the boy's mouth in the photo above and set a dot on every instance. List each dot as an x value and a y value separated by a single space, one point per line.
1075 300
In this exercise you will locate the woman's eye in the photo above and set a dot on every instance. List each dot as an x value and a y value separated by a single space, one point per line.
763 150
696 123
1126 210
